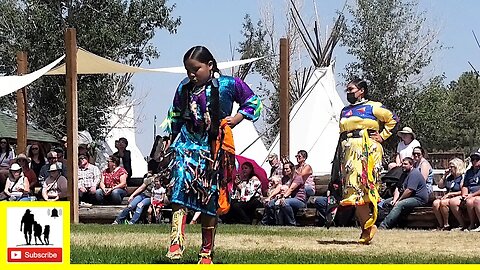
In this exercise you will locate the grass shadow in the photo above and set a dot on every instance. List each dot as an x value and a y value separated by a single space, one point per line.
337 242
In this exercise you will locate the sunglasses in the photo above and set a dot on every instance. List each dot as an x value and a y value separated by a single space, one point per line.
34 148
417 154
3 142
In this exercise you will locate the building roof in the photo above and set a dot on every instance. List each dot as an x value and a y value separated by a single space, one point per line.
8 129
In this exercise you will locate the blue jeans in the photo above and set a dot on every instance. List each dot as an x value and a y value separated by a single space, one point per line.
115 197
309 191
321 206
269 214
138 203
403 207
289 209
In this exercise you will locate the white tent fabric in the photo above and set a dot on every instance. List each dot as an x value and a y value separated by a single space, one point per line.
89 63
314 122
123 123
244 134
10 84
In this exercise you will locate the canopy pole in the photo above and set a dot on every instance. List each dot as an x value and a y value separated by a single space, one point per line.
72 121
284 98
21 105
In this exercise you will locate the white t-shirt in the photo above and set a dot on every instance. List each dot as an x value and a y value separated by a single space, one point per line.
158 194
406 150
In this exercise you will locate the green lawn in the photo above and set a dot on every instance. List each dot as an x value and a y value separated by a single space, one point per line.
235 244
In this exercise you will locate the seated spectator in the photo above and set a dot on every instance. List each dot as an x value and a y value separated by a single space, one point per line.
159 201
139 200
305 171
17 187
404 147
276 167
413 194
452 180
61 159
6 159
124 155
55 185
84 149
113 183
88 180
470 195
24 162
274 184
288 204
425 169
246 196
44 174
37 158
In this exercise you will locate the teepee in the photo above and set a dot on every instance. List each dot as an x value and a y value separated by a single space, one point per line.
314 122
314 118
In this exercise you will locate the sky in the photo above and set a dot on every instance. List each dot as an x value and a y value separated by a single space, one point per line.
213 23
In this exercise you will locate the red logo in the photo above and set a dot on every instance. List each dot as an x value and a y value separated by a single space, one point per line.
29 255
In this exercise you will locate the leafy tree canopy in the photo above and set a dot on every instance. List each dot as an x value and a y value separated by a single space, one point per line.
120 30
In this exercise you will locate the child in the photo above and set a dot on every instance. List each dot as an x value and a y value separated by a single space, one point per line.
159 200
201 110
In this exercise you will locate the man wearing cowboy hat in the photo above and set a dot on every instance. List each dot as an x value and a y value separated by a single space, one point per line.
405 146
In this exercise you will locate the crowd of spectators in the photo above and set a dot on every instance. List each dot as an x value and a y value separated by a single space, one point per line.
39 176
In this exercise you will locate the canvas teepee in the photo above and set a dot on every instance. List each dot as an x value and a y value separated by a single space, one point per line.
314 122
314 118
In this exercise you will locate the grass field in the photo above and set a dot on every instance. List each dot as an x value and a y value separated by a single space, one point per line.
237 244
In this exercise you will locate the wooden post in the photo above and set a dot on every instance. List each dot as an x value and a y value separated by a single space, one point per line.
21 105
72 121
284 98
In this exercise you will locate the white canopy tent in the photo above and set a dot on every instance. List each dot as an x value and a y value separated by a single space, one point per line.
314 123
10 84
89 63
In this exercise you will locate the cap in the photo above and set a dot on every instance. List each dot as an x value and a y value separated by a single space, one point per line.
272 157
475 154
55 167
406 130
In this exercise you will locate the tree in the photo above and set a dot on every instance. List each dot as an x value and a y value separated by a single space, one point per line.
445 117
392 44
117 29
431 118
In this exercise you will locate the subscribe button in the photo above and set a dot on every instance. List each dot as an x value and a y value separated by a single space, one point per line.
29 255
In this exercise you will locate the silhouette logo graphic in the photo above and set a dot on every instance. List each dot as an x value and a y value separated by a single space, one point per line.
34 235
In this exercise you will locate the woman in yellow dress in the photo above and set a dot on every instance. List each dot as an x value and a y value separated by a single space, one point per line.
360 154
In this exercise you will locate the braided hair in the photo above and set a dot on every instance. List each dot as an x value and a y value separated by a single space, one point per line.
203 55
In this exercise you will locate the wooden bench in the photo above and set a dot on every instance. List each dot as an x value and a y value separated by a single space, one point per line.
105 214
